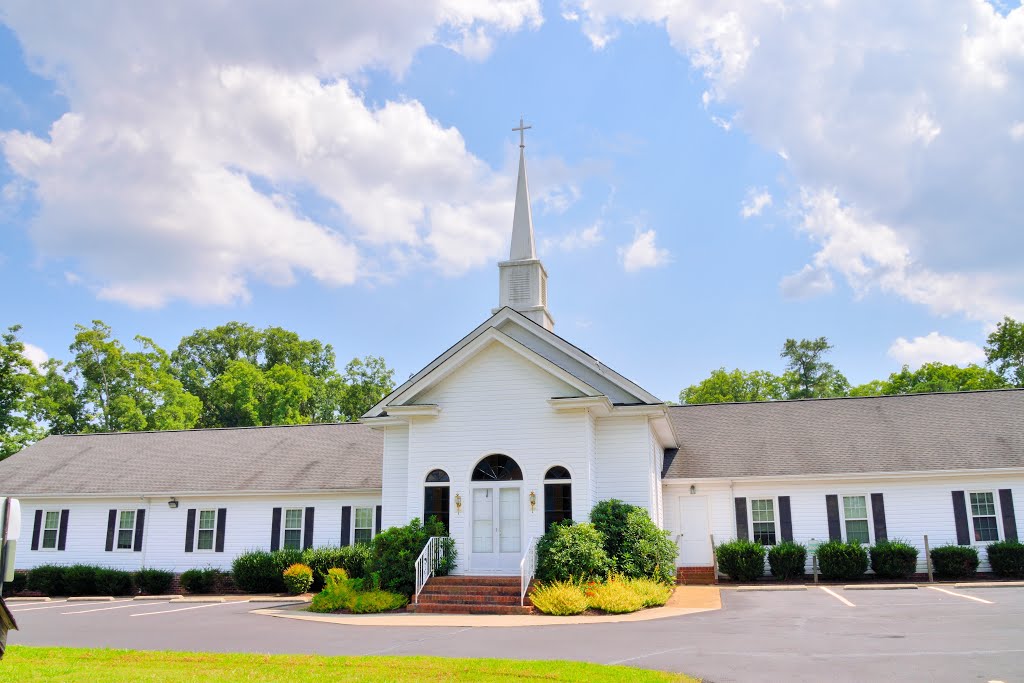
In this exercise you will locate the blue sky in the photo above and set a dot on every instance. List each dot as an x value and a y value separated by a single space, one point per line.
350 175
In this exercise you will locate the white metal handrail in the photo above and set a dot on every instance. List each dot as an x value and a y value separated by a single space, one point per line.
426 563
527 569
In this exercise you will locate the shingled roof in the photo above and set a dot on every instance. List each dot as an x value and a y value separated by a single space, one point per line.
911 433
286 458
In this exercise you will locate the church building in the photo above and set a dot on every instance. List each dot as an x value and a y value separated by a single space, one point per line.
514 428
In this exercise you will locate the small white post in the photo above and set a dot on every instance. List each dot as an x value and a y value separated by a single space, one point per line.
814 565
714 556
928 559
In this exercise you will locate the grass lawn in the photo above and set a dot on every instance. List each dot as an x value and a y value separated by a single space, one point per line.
24 664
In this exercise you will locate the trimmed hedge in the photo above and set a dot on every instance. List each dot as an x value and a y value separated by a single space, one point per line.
114 582
351 558
571 552
47 579
741 559
200 581
1007 559
842 561
262 571
80 579
787 560
955 561
17 585
154 581
893 559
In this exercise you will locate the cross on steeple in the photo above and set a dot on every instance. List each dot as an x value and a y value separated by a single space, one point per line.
522 132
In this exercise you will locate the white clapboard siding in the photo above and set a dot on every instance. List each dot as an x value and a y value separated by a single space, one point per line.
395 477
622 460
247 526
914 505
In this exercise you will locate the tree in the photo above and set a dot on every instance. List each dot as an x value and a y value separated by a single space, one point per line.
932 377
18 377
734 387
367 382
807 374
1005 350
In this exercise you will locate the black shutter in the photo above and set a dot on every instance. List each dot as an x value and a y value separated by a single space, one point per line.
878 514
111 521
36 529
307 532
190 529
741 518
835 531
275 529
222 514
62 535
140 525
963 534
1009 519
376 528
346 525
785 519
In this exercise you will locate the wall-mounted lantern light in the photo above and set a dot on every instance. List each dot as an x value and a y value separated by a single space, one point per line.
533 501
172 503
458 503
693 489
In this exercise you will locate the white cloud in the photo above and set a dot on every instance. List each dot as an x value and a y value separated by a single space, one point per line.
933 348
806 283
192 133
643 252
35 354
575 240
900 111
755 202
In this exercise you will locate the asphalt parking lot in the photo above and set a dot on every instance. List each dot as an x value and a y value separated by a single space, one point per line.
933 634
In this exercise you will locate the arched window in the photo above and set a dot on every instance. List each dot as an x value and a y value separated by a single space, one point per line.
437 497
497 468
557 496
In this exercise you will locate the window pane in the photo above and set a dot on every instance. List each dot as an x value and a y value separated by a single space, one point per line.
364 535
855 507
857 531
52 520
435 504
127 519
50 538
293 539
364 518
207 519
293 519
986 529
557 503
497 468
762 510
124 539
983 504
764 533
437 476
205 539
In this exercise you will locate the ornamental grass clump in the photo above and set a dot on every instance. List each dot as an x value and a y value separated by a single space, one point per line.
297 579
559 598
841 561
653 593
955 561
615 596
787 560
741 560
341 593
1007 559
893 559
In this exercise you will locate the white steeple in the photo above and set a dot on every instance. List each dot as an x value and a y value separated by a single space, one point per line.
523 282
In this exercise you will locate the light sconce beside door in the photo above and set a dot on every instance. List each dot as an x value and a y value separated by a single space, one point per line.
693 489
458 503
533 501
172 503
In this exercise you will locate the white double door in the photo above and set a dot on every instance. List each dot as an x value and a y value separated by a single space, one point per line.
497 534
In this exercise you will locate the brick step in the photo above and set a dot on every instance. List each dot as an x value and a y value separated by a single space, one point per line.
475 581
469 599
471 590
469 609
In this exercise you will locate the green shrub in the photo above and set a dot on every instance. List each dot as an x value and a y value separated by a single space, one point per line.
741 559
80 579
351 558
200 581
571 551
371 602
16 585
841 561
1007 559
559 598
113 582
635 546
787 560
610 517
393 554
893 559
153 581
47 579
259 571
343 593
615 596
297 579
653 593
955 561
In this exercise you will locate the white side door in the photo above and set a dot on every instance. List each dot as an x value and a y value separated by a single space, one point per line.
694 539
482 551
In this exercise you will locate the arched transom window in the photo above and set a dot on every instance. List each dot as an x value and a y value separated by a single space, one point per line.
557 496
437 497
497 467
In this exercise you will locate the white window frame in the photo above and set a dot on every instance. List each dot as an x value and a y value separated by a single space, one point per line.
213 529
998 512
285 529
118 529
870 516
355 518
775 517
42 531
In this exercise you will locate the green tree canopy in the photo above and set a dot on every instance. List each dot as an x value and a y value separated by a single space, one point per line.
1005 350
734 387
18 379
932 377
807 374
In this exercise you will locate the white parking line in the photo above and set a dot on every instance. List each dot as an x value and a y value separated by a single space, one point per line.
102 609
961 595
182 609
49 605
837 596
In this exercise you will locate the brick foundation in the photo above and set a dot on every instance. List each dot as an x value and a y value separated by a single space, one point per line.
699 576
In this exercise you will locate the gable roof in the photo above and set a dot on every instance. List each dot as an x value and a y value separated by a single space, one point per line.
546 344
907 433
253 459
